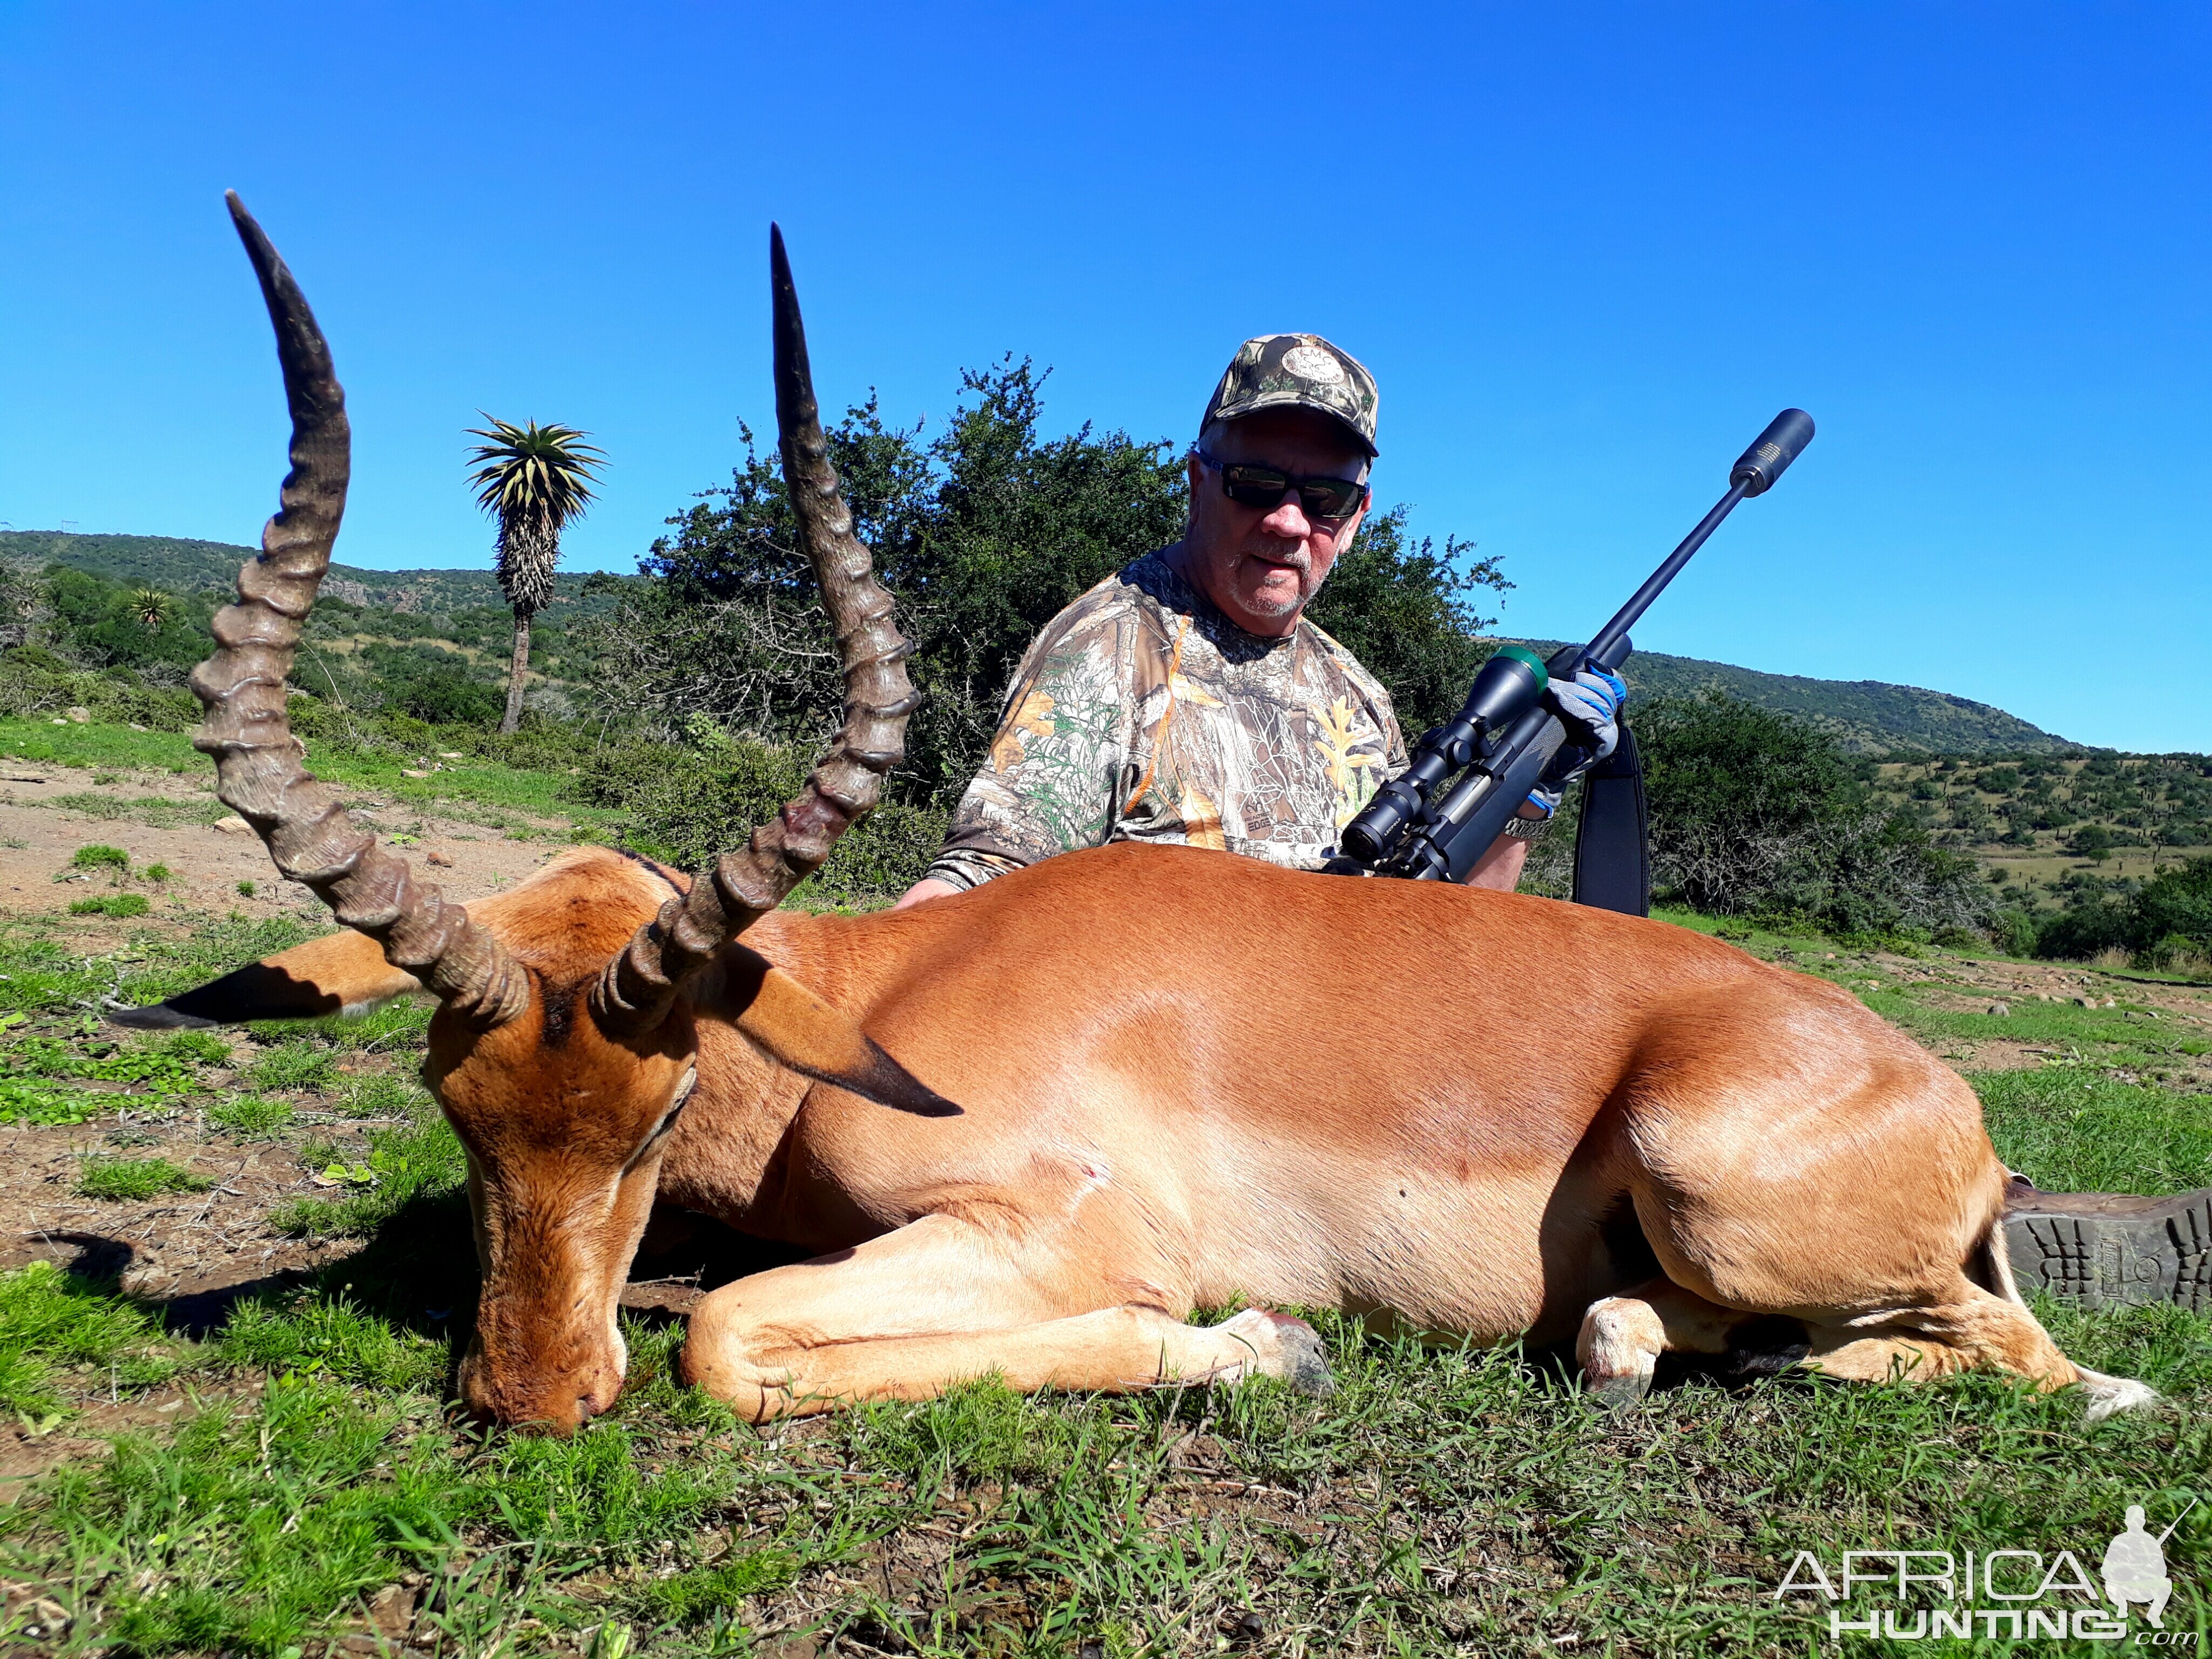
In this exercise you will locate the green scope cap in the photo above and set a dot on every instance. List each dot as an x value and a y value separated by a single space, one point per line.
1522 654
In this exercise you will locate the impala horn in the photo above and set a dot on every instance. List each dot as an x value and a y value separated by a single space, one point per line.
258 771
641 982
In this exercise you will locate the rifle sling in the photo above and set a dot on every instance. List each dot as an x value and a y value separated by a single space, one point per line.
1612 848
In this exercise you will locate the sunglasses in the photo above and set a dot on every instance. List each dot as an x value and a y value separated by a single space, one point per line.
1333 500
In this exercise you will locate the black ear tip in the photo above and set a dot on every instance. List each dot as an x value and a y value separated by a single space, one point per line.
155 1016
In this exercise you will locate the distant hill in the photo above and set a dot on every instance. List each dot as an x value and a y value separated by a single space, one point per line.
189 567
1869 716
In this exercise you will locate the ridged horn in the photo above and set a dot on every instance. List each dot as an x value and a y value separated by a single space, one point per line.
639 985
258 771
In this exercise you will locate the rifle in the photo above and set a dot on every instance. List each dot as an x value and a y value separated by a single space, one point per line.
1508 738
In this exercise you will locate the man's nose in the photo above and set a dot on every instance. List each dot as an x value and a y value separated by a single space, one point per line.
1289 519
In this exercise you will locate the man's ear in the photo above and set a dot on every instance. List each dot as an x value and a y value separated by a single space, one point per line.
344 972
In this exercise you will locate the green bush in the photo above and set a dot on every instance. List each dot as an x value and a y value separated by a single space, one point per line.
2169 919
691 803
1759 813
448 696
35 683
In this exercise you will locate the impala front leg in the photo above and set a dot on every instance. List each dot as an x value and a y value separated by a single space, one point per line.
943 1301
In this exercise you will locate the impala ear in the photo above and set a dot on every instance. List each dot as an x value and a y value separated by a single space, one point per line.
342 973
802 1031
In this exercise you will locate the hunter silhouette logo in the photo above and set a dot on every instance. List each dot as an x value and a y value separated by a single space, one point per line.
2002 1593
2135 1567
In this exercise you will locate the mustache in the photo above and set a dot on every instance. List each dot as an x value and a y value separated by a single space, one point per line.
1295 554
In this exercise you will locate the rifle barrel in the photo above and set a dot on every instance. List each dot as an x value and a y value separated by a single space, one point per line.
1601 647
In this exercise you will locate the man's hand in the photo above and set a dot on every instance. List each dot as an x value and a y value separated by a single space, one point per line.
927 888
1593 702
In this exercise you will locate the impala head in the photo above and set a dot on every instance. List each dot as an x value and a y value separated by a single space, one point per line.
561 1047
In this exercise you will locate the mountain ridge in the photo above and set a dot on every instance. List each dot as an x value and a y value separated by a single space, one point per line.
1872 717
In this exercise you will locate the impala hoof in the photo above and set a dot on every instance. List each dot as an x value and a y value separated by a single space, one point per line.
1280 1347
1617 1393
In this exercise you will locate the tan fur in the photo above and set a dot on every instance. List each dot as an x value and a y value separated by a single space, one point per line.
1187 1079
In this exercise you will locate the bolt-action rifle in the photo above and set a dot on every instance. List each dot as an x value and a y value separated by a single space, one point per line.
1469 776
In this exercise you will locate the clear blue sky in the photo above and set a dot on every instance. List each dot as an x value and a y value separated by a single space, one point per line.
1588 254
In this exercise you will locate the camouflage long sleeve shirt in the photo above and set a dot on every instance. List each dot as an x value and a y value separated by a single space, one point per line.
1143 714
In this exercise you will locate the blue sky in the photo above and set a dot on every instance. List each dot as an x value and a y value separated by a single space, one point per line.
1588 254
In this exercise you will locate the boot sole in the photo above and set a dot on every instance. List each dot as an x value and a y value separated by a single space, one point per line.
2110 1249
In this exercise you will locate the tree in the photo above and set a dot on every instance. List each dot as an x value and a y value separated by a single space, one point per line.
982 533
151 607
534 480
1759 812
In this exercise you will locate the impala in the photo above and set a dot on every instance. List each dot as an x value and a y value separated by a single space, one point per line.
1130 1082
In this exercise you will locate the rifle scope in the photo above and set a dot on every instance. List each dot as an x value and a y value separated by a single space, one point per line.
1507 737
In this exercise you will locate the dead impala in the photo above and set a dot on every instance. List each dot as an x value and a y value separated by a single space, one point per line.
1177 1086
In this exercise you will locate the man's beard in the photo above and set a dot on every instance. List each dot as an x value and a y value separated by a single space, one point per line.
1300 563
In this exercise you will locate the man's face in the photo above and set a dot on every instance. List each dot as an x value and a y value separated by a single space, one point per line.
1260 565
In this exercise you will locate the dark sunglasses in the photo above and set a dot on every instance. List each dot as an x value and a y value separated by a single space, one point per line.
1331 499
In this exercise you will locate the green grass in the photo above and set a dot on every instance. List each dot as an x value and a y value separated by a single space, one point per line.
121 1179
417 1159
487 791
100 857
50 1322
298 1064
251 1117
116 904
1440 1501
2076 1128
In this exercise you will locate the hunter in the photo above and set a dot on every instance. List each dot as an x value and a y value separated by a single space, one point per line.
1186 698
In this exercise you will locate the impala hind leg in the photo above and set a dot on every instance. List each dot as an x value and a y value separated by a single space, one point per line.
1623 1336
1979 1330
943 1301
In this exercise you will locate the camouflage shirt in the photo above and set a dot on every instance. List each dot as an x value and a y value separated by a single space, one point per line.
1143 714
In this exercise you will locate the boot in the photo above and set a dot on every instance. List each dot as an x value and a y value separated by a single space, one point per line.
2110 1249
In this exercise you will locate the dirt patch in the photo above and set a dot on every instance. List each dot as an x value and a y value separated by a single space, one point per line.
39 837
1963 985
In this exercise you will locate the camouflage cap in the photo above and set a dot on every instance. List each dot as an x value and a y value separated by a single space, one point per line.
1297 371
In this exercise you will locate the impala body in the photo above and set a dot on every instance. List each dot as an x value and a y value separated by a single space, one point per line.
1129 1083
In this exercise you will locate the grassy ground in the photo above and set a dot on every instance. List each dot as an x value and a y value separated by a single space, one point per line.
314 1485
471 787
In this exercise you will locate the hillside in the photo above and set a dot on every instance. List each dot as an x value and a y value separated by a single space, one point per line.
1868 716
178 566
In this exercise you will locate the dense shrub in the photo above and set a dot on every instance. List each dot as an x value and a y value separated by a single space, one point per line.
1754 813
692 801
448 696
2165 923
983 534
35 683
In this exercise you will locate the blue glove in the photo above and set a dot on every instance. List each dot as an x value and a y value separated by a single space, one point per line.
1593 702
